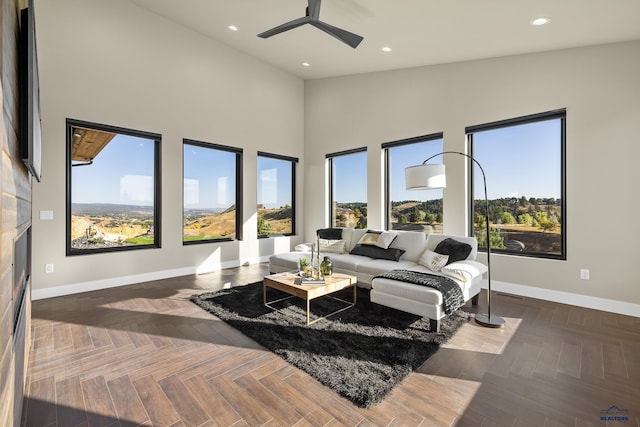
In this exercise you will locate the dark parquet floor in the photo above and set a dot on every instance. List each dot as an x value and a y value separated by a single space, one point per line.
144 355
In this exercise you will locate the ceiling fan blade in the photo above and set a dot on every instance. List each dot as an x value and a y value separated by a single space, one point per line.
313 11
344 36
285 27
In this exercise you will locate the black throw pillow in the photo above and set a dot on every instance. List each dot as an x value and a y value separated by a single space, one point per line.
330 233
376 252
457 251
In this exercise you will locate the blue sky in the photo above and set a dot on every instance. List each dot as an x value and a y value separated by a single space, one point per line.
516 160
122 173
209 178
274 182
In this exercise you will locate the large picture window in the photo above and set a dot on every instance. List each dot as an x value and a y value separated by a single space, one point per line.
524 162
212 185
411 210
276 194
348 184
113 188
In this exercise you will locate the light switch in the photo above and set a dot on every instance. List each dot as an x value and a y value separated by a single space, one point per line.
46 215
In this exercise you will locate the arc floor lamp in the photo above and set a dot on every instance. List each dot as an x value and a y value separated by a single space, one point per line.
431 177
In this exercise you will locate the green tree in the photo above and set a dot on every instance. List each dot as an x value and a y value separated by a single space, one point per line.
429 218
525 219
497 241
417 215
507 218
263 227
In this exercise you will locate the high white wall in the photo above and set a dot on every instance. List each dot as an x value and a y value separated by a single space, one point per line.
114 63
600 88
111 62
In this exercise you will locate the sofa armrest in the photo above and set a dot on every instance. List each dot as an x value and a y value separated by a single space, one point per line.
465 270
304 247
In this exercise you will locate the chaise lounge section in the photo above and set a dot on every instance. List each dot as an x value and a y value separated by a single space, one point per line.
356 252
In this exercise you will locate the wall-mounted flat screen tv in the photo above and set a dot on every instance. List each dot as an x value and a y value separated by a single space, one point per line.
30 129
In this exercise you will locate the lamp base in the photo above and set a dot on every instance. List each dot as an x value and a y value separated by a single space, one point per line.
490 321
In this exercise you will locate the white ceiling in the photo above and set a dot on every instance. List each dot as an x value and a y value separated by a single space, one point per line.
420 32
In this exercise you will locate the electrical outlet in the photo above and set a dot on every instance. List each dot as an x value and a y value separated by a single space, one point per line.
584 274
48 268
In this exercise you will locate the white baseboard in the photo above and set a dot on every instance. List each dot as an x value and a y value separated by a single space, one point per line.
619 307
94 285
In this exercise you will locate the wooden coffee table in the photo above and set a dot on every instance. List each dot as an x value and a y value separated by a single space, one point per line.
285 282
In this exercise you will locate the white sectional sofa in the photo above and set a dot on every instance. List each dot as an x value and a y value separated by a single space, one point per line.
419 300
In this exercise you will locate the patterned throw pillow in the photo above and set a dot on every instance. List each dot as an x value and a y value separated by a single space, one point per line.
385 239
433 260
332 246
381 239
369 238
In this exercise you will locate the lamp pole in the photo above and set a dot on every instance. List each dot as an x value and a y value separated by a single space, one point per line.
483 319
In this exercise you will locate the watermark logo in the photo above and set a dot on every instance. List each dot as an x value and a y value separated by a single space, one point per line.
614 414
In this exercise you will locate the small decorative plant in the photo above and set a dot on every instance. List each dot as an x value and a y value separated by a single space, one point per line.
305 266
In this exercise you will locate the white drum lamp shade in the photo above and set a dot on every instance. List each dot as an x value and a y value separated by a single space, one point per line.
425 177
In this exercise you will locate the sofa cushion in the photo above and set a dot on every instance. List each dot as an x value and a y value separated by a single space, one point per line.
374 267
347 262
412 242
409 291
457 251
375 252
355 235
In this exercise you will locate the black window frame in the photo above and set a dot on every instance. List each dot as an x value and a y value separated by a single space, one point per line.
560 114
387 182
238 193
157 181
330 157
294 162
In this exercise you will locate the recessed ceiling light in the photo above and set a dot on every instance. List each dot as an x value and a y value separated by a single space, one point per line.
540 21
306 64
232 28
386 49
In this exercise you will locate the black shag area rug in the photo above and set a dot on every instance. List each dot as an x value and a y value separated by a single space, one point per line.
361 353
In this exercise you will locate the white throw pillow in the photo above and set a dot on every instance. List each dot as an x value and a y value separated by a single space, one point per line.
332 246
432 260
464 270
385 239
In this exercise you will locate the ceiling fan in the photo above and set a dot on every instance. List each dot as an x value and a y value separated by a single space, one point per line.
313 17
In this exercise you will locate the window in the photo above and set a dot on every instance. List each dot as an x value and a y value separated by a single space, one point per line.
113 188
524 162
411 210
212 208
276 194
348 186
